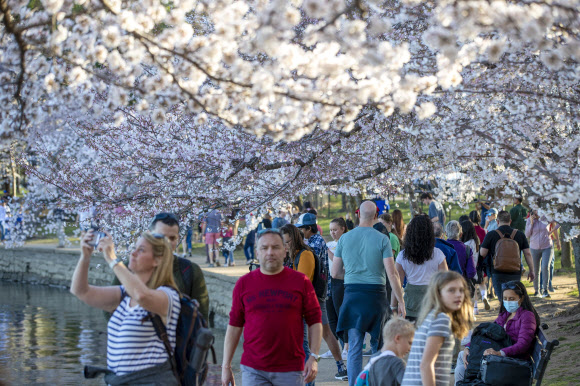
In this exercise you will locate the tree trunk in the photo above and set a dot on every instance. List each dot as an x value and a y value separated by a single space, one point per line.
413 207
352 207
566 254
576 247
13 167
343 197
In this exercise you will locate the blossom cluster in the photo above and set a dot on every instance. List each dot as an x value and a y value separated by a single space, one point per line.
242 105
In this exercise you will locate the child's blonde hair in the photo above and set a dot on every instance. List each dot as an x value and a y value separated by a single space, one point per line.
397 326
462 319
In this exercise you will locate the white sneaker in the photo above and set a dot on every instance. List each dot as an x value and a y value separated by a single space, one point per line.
344 355
326 355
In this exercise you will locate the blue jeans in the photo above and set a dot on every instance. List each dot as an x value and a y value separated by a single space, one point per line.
249 251
228 255
551 269
542 259
355 358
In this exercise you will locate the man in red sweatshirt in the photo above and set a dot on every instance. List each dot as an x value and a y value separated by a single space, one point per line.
268 306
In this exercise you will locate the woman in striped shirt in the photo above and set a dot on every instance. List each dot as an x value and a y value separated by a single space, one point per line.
134 351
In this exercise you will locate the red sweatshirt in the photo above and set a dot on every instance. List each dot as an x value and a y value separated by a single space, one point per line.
271 309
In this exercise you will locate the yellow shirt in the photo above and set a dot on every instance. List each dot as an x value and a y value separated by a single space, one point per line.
306 264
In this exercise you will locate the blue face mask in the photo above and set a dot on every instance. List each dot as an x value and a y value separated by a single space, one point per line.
511 306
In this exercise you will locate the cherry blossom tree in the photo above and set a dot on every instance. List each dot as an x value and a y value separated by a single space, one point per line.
242 105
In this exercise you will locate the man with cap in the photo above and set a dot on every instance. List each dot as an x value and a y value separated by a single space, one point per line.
491 220
307 224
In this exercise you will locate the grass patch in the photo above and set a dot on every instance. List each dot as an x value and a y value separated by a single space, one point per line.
73 240
325 216
563 271
527 284
566 381
573 293
562 338
574 346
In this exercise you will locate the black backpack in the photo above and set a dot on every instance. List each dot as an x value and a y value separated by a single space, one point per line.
193 344
320 275
486 335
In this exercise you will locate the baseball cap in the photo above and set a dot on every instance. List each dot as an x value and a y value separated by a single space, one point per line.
492 211
306 219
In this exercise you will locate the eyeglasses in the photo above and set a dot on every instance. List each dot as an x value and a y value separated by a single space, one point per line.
165 215
157 235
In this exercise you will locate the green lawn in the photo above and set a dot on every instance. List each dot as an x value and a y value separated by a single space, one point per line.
399 203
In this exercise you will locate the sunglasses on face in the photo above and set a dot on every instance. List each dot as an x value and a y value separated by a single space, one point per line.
157 235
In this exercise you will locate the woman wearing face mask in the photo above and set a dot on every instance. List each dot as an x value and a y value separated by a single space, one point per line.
520 320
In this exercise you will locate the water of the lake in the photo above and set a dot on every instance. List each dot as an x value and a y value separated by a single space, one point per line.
47 336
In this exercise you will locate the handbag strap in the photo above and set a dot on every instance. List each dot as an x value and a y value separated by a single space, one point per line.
161 332
297 258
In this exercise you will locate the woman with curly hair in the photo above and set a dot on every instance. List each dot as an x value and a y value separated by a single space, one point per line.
418 262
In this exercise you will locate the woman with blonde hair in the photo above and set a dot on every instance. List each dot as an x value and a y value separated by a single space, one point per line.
134 351
445 315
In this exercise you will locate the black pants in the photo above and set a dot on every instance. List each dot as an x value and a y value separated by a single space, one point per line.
333 304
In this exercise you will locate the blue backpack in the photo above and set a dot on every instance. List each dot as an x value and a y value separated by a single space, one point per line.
193 345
